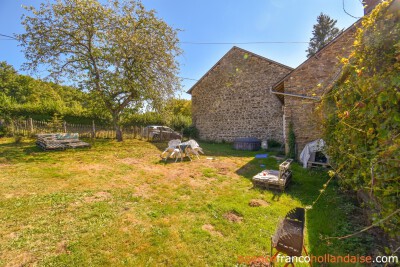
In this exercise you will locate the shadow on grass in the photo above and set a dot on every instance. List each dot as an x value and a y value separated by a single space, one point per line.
328 217
334 214
17 151
26 151
214 149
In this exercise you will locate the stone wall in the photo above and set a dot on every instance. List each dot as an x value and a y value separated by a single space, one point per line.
369 5
233 99
313 78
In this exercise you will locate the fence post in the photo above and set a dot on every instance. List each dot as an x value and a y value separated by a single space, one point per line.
93 129
65 126
13 127
30 122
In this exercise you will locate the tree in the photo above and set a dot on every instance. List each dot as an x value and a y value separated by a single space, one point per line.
177 113
176 106
324 32
120 52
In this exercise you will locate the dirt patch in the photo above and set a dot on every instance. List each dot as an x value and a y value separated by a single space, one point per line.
258 203
7 196
233 216
61 248
143 191
92 167
132 161
12 235
97 197
4 165
259 262
131 220
21 259
142 165
197 183
223 170
209 228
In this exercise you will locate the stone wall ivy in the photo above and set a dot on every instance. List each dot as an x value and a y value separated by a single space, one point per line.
362 128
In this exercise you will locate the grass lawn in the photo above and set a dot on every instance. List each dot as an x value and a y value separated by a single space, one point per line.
117 204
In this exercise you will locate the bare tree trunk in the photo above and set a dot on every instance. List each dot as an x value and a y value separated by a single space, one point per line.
117 127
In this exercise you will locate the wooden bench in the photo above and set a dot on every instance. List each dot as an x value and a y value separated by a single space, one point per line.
60 141
273 179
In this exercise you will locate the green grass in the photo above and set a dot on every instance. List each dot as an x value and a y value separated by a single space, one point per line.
117 204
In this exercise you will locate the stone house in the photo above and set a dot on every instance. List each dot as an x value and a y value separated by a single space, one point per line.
302 89
248 95
233 98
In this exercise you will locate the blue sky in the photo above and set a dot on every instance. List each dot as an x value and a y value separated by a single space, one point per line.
231 21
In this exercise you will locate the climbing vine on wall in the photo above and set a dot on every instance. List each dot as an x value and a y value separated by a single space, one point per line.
292 142
362 126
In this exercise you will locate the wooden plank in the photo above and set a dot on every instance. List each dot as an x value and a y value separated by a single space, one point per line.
314 164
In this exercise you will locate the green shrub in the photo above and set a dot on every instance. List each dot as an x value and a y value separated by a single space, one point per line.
3 131
143 119
191 132
179 122
18 139
362 124
292 142
56 123
274 144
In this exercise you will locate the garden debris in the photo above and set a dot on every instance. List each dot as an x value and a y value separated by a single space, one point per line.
233 216
62 248
97 197
209 228
4 165
258 203
278 158
223 170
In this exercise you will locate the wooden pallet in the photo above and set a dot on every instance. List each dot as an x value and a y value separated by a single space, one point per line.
276 180
59 141
46 145
314 164
78 144
273 184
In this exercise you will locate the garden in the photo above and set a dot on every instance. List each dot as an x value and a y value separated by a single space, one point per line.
119 204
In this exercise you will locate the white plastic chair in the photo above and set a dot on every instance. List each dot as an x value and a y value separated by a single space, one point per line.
173 150
192 148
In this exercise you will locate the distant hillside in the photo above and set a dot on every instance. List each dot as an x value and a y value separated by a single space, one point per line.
24 96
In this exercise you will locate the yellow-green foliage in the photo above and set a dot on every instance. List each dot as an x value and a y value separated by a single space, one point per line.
362 128
24 96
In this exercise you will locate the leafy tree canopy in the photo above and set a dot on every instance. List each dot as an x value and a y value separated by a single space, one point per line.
121 52
176 106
